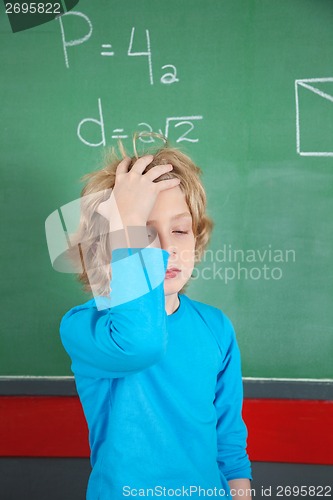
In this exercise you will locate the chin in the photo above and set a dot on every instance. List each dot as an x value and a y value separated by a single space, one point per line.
171 288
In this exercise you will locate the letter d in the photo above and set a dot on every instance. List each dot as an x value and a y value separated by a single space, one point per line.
99 123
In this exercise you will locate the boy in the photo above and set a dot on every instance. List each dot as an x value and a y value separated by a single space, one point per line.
158 374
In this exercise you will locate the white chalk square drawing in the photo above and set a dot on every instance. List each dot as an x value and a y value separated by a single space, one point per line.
312 85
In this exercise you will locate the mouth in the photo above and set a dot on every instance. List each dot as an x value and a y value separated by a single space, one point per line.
172 272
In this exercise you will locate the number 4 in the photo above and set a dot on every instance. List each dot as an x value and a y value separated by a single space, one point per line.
148 53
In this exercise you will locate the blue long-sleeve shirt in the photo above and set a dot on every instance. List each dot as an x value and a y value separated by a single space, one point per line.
162 394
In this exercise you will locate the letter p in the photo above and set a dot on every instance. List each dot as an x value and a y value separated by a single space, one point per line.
77 41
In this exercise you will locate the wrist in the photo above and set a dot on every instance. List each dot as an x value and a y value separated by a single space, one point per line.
130 236
131 221
134 221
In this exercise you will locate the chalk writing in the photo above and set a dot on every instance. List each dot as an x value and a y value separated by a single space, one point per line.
107 46
185 124
311 84
167 78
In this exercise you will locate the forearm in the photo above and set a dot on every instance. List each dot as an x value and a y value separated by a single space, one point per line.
131 233
240 488
131 335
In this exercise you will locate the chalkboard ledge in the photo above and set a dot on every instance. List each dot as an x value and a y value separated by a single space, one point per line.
261 388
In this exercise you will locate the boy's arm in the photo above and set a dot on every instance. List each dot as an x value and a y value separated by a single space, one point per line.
232 457
240 488
129 336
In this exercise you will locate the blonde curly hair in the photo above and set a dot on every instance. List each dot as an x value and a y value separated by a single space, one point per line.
92 236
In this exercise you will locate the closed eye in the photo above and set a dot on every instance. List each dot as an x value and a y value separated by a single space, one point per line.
181 232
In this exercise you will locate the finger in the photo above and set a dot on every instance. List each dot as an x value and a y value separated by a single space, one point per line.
123 166
142 163
167 184
158 170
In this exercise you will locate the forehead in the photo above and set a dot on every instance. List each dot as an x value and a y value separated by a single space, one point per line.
169 204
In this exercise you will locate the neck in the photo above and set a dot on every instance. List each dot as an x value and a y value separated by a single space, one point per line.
171 303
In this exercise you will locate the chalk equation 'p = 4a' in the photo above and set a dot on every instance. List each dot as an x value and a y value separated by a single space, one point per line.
170 71
312 86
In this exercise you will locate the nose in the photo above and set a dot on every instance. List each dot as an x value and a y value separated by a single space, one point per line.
166 244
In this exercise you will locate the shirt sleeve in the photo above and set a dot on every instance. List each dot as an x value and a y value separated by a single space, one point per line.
131 333
232 457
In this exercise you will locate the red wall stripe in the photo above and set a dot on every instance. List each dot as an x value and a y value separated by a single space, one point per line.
294 431
42 426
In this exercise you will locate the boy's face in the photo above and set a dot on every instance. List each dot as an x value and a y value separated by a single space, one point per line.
172 221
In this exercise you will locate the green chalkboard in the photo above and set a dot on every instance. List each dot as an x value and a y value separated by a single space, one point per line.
243 86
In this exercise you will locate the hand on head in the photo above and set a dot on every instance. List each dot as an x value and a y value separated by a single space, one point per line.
135 193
